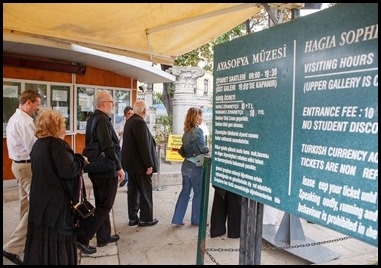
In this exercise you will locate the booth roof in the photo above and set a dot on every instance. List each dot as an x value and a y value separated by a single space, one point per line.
154 32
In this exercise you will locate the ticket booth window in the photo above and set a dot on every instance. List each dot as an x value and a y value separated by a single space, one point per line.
42 89
11 92
60 101
122 100
85 104
85 100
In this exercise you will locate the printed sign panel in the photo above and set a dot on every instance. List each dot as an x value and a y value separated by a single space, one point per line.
173 146
296 118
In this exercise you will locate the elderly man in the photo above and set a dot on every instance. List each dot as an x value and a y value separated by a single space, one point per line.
140 161
105 183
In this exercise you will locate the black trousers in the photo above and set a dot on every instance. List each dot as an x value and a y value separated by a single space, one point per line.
105 188
226 205
140 197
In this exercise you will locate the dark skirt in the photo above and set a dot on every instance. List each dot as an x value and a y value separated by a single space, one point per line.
44 245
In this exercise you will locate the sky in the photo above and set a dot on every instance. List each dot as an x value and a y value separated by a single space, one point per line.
304 12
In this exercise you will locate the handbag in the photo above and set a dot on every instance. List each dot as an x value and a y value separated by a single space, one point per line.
99 162
82 226
84 212
83 208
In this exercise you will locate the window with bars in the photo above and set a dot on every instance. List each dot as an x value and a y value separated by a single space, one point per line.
206 87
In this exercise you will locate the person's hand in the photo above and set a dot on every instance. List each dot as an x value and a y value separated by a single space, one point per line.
86 159
121 175
149 171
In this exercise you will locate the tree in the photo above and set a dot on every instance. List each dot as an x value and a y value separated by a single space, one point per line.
203 56
168 91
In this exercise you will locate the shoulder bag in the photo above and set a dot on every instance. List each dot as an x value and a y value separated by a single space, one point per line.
83 211
83 208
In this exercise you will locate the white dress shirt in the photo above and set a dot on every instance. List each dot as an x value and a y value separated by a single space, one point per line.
121 130
20 135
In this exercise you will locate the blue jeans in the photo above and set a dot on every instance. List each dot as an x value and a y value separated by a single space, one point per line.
192 179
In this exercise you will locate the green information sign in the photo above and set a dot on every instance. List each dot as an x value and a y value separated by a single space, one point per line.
296 118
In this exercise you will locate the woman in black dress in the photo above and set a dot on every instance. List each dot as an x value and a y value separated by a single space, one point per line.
50 236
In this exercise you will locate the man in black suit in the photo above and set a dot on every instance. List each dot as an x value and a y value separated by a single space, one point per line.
140 161
105 183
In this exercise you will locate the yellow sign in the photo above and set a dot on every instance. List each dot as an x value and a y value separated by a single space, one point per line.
173 146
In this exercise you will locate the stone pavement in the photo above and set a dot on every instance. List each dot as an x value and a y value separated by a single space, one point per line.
166 244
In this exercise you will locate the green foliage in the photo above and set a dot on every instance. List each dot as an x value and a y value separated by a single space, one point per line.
204 54
159 97
171 91
189 59
162 129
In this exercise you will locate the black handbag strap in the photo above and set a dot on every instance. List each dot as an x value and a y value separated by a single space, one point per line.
82 189
81 192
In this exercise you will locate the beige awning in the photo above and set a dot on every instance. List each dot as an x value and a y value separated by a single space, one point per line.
148 31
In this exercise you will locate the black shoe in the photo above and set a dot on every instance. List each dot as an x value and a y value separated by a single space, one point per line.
122 183
147 223
112 239
12 257
86 249
133 222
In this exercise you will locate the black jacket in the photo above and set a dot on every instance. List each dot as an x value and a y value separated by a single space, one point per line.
99 127
139 147
53 162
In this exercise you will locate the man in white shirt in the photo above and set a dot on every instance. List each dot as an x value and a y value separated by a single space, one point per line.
20 139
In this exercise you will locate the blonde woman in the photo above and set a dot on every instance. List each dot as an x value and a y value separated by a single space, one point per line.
50 238
193 146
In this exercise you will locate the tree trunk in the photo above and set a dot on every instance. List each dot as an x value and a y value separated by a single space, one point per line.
167 94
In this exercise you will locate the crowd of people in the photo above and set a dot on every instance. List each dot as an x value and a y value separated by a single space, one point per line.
48 172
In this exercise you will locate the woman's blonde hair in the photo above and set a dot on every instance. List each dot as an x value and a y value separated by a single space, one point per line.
192 117
49 123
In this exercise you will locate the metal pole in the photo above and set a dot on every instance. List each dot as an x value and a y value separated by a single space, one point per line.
244 230
158 186
251 232
204 211
258 234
